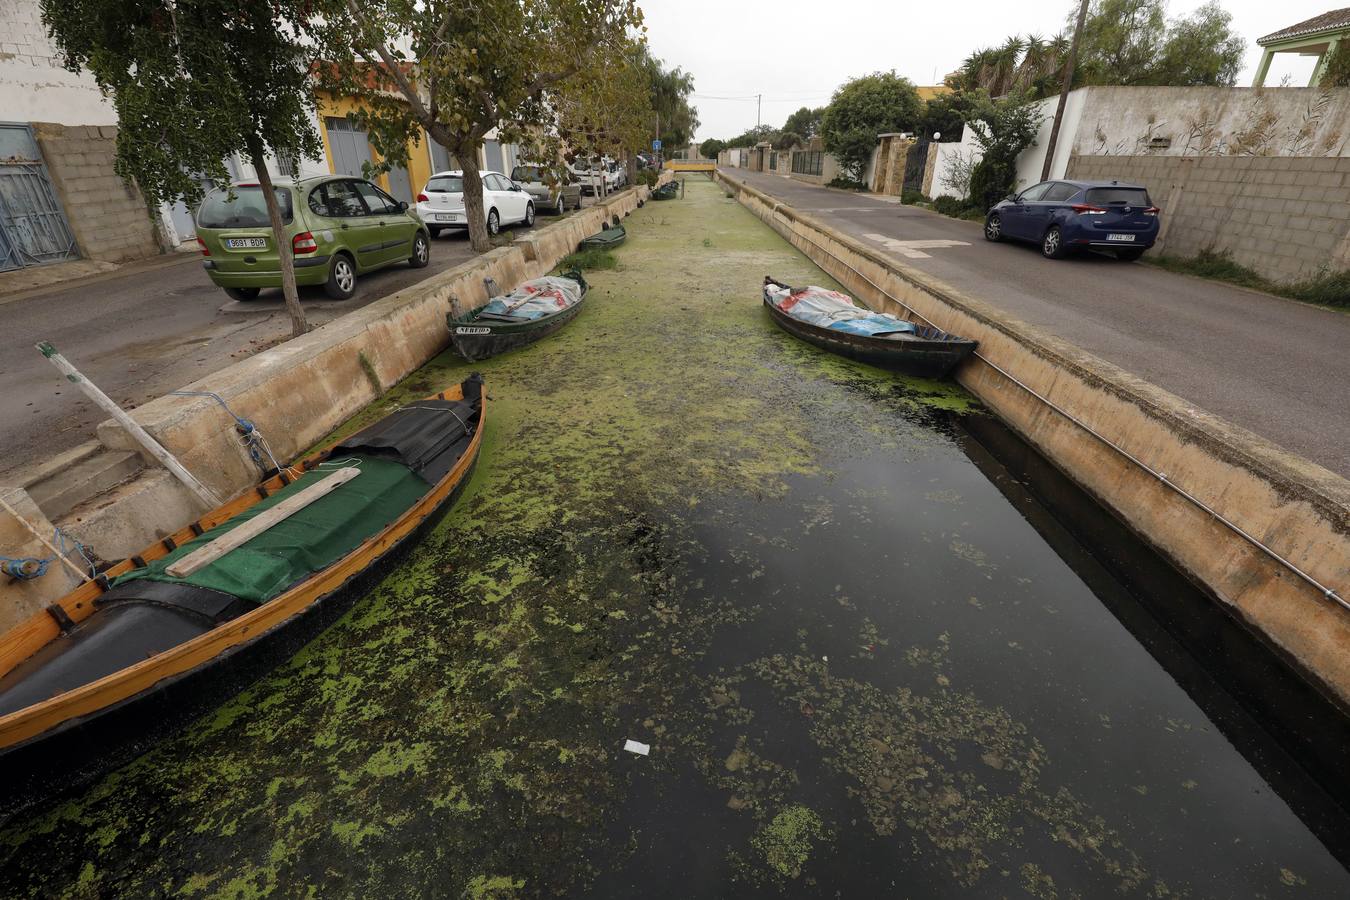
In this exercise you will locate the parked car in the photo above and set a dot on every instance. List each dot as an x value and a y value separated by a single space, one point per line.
339 228
563 195
1063 216
598 174
441 203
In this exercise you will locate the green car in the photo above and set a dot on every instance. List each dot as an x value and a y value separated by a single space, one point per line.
339 227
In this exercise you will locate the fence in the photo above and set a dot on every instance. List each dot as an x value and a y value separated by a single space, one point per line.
808 162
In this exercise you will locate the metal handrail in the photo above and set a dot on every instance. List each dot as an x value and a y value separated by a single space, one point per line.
1328 593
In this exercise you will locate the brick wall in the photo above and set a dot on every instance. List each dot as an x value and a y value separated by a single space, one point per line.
109 217
1285 217
23 37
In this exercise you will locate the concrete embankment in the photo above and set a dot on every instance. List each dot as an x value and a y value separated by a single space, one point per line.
295 393
1265 532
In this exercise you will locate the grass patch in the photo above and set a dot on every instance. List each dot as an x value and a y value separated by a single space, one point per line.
592 259
1325 288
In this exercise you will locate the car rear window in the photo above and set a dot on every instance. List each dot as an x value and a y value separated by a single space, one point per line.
526 173
241 207
446 184
1118 196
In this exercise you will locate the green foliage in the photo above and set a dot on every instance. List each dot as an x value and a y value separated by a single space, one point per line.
647 177
192 84
592 259
670 90
1026 65
948 113
752 136
1130 42
950 206
912 196
1337 73
711 147
787 140
805 121
1326 288
1002 132
861 110
532 71
843 182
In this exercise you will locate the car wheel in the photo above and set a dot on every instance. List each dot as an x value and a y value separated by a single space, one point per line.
341 282
1052 245
529 215
562 204
993 228
1130 255
243 294
421 252
494 222
435 232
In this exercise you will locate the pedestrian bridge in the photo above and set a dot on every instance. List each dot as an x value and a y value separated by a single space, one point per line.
691 165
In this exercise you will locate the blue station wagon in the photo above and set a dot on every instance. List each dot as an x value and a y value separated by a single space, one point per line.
1062 216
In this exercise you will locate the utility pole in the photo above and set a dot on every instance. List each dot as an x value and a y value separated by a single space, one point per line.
759 104
1064 91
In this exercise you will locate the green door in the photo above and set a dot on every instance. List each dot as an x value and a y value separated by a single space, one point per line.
395 227
342 212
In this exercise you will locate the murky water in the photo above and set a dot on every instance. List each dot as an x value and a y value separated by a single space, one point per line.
865 660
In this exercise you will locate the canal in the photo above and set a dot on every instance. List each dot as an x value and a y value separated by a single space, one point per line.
876 649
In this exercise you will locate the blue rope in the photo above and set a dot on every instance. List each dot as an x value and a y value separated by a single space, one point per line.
17 567
253 439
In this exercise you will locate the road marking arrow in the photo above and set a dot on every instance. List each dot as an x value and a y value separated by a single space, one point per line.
914 249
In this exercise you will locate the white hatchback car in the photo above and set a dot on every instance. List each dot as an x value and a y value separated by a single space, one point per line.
441 203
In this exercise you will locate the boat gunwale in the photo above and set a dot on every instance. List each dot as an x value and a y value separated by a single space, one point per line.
34 722
498 328
959 346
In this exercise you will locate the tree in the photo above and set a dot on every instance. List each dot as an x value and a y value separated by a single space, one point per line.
805 121
193 84
459 70
1002 131
711 147
605 115
787 140
947 114
1201 49
675 120
1121 40
861 110
752 136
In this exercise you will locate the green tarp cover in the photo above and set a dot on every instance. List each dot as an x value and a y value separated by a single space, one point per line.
306 542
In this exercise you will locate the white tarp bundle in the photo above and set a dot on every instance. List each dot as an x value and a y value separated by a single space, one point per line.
830 309
537 298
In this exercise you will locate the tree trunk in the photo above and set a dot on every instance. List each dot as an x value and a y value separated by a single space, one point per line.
1064 92
474 212
297 313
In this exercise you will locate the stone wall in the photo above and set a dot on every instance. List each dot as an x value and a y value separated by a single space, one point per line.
108 216
1286 217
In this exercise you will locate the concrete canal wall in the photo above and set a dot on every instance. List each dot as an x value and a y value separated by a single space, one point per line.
295 393
1298 510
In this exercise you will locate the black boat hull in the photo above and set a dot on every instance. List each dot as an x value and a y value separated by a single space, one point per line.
922 358
506 337
75 755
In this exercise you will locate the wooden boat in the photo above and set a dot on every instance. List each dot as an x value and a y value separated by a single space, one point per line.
928 352
189 621
480 334
608 239
668 191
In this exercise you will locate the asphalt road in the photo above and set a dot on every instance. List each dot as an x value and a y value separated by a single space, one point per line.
139 333
1276 367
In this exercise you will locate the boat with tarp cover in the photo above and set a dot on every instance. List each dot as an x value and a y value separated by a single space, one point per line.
189 621
534 310
668 191
835 322
608 239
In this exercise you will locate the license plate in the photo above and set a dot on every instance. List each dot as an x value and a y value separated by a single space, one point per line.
465 329
443 217
1120 237
246 243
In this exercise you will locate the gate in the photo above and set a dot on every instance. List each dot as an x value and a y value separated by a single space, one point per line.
916 161
33 227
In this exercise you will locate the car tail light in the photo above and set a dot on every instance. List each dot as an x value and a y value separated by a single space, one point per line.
1151 211
1084 209
304 243
206 251
423 198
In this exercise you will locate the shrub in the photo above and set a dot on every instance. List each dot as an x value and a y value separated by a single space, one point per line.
1002 132
862 109
648 177
846 183
909 195
589 260
949 206
1326 288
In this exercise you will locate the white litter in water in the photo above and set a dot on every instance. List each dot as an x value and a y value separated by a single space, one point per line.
633 746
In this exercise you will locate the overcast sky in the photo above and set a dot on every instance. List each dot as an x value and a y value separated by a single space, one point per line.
796 54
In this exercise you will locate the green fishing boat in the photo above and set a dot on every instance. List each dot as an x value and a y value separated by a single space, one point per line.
608 239
668 191
534 310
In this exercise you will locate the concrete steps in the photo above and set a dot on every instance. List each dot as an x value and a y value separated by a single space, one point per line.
79 476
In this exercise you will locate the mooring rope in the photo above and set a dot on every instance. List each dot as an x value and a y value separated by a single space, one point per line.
254 441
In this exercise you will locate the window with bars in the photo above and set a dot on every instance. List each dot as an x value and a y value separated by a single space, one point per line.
808 162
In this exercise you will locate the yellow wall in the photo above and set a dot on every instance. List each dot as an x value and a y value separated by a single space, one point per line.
419 157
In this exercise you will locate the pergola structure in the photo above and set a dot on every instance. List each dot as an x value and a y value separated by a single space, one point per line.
1318 36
